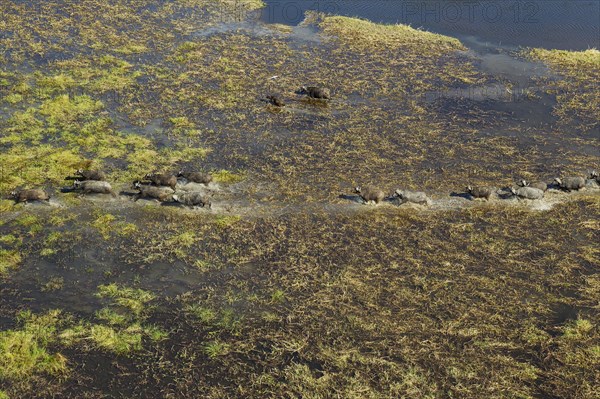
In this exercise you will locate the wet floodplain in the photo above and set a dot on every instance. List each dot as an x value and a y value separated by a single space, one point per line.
288 286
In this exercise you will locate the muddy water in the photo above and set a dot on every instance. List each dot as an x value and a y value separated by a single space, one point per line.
81 273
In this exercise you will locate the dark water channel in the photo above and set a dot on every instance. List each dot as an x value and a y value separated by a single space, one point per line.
557 24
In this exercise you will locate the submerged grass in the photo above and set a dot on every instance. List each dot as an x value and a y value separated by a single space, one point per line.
133 299
357 303
445 303
578 102
119 328
431 284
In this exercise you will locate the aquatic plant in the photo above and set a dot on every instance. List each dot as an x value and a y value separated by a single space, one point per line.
135 300
118 341
297 293
119 327
24 353
226 176
9 259
204 315
216 348
365 34
576 93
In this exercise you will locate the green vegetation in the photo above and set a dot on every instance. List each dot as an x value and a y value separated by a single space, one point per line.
9 259
569 61
226 176
33 222
133 299
577 356
204 315
308 321
277 296
368 35
284 289
442 292
64 113
215 349
52 241
123 341
121 328
183 240
578 329
104 224
8 239
108 224
576 94
6 205
23 352
54 284
10 254
223 222
106 73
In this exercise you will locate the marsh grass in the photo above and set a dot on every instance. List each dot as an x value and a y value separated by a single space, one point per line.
446 292
203 314
118 328
183 240
111 317
103 224
80 122
364 34
579 329
6 205
133 299
216 348
24 356
24 353
576 94
227 72
318 299
118 341
9 259
9 239
278 296
222 222
53 284
226 176
476 288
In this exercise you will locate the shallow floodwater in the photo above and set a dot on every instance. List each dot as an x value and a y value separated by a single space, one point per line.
557 24
287 251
